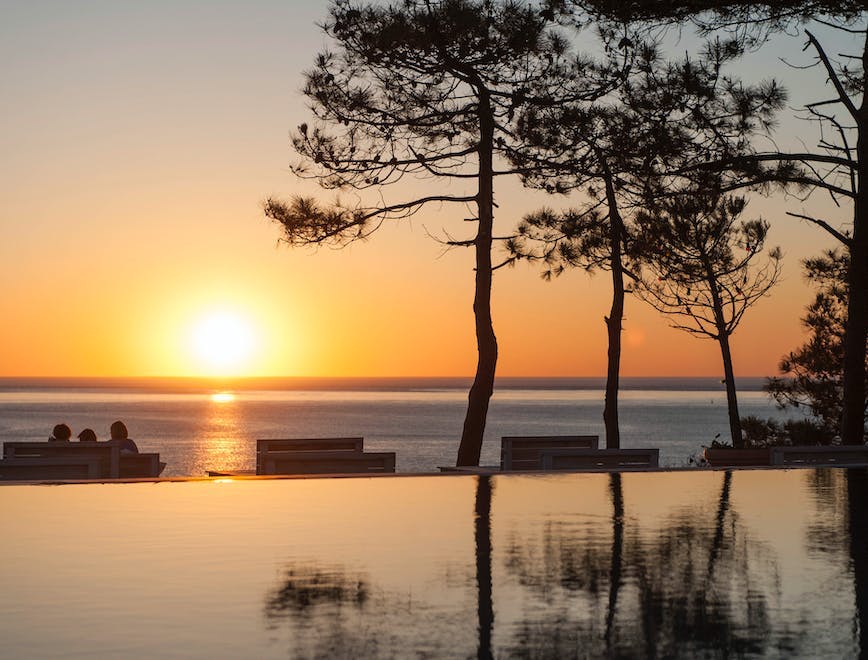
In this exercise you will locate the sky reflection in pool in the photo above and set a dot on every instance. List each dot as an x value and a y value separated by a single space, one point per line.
685 564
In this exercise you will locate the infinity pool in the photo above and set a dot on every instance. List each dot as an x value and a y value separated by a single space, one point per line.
666 564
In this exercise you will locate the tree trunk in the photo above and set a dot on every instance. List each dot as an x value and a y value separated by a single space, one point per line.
482 528
726 354
617 556
731 399
719 528
486 343
853 421
857 523
614 320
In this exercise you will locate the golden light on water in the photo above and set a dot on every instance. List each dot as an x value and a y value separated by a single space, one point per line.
221 445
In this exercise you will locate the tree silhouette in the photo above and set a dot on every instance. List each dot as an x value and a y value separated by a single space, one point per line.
426 89
699 586
482 540
701 271
593 237
304 588
837 163
611 150
617 493
332 611
812 374
857 519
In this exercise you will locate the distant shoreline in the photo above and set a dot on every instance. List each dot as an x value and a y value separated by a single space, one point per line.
189 384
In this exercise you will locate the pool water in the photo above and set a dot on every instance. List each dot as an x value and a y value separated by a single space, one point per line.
689 564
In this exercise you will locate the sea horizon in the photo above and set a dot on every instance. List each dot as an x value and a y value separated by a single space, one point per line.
199 424
371 383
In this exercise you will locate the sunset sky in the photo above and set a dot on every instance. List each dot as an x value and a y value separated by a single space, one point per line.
139 140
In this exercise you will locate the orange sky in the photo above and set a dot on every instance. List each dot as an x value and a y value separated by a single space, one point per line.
139 142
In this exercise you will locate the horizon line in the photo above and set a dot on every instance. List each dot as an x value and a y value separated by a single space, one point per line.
366 377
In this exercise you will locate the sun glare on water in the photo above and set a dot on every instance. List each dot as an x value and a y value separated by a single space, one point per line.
223 343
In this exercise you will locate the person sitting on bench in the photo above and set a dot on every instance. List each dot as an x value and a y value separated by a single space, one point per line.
119 432
60 433
88 435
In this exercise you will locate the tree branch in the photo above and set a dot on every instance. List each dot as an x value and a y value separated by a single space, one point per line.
825 225
833 77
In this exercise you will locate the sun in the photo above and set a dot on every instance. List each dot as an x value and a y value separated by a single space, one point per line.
223 342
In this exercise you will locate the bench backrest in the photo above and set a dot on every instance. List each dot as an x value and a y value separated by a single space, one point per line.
836 455
42 468
572 459
107 454
264 447
523 452
111 462
326 462
139 466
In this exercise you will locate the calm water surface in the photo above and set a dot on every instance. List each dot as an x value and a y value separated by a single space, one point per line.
419 419
686 564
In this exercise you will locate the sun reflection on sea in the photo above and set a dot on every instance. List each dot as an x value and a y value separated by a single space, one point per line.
219 445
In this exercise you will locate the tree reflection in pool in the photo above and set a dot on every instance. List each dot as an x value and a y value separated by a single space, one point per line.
702 582
693 563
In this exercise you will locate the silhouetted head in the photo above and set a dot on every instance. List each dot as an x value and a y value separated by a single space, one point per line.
87 435
61 432
119 431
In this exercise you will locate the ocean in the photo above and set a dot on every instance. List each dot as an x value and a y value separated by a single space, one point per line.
198 425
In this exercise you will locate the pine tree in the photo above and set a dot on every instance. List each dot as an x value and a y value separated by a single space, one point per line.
430 89
836 165
812 375
700 268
